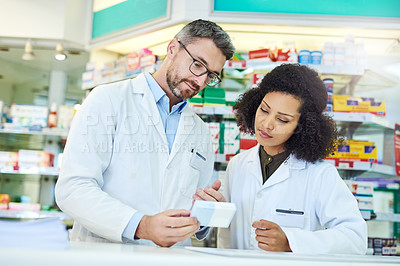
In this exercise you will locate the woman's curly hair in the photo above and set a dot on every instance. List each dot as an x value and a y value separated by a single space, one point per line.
315 135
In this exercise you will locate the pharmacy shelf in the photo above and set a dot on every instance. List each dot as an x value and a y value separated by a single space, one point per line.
380 216
44 131
51 171
223 158
362 118
345 164
349 164
365 118
389 217
32 214
265 64
212 110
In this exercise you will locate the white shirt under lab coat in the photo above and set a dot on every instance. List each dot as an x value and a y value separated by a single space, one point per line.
116 162
331 222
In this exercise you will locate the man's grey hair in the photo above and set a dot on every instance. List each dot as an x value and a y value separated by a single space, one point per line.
207 29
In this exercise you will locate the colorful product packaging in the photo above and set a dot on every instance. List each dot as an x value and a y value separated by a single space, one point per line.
23 115
8 160
363 192
247 141
230 143
260 54
316 57
4 201
304 57
364 151
397 148
257 78
214 97
30 158
19 206
214 131
346 103
65 115
383 246
329 88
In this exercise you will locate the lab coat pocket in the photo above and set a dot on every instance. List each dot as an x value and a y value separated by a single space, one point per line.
289 218
197 160
191 167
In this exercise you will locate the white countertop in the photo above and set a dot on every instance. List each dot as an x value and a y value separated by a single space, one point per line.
81 253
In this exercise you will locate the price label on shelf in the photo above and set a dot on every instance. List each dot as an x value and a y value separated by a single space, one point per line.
344 165
237 64
197 109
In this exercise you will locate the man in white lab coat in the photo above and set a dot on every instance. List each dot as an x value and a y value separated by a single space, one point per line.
136 152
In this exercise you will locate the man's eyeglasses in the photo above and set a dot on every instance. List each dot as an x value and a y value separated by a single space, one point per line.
198 69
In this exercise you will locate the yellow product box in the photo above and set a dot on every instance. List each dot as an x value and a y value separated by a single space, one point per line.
355 149
4 201
346 103
378 108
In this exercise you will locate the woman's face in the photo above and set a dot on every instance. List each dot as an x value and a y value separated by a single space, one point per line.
276 119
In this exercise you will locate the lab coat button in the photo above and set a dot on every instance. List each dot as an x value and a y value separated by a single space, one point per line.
259 196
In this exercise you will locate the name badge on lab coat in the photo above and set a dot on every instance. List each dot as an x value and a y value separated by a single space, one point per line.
289 218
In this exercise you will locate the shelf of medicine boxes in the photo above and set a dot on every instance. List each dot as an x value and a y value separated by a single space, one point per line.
43 131
369 120
365 118
49 171
345 77
380 216
263 64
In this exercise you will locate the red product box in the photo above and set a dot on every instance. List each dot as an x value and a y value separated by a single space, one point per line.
246 144
282 56
257 78
261 53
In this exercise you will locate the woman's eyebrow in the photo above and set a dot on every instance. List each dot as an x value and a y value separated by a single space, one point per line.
278 112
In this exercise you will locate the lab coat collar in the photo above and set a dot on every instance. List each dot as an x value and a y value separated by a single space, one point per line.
140 86
281 174
186 122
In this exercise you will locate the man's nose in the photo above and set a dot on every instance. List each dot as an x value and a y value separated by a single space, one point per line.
202 80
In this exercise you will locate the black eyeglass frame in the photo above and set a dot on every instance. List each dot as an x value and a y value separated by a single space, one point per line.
208 72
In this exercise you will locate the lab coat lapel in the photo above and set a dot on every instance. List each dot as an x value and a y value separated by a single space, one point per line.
185 128
153 118
283 172
254 165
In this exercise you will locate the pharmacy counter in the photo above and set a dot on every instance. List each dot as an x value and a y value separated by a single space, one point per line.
118 254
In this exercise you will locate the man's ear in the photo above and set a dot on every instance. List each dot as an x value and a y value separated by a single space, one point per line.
173 48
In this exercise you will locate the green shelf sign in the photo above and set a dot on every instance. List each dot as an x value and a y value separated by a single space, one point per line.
363 8
127 14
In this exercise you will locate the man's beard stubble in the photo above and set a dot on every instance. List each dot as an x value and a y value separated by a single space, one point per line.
173 86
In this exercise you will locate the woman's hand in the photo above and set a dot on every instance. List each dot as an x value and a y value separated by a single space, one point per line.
209 193
270 236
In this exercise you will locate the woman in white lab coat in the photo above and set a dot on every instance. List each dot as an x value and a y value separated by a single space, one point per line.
287 198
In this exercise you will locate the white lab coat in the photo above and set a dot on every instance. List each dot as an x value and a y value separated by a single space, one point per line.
116 162
315 189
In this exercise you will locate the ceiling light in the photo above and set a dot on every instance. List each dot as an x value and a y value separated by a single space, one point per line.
28 54
60 55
